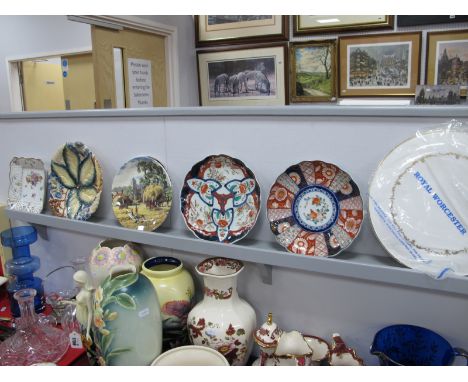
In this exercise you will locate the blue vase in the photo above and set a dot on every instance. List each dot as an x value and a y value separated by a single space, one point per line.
22 266
409 345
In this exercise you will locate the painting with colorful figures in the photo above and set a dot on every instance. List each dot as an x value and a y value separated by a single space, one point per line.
220 199
75 182
142 194
315 209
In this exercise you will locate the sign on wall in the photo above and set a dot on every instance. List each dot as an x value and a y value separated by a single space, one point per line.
140 83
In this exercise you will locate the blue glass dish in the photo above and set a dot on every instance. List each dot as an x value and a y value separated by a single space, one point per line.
409 345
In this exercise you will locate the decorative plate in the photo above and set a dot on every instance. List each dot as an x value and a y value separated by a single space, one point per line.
315 209
27 185
418 202
142 194
75 182
220 199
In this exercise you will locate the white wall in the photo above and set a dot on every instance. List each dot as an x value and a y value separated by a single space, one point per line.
311 302
34 35
29 36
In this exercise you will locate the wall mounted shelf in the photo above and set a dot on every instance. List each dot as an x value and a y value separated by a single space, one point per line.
348 264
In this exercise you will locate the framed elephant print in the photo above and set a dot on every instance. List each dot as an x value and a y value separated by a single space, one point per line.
243 76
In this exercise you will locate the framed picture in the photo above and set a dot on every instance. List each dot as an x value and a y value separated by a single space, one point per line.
243 76
312 24
379 65
447 59
313 71
237 29
410 21
437 95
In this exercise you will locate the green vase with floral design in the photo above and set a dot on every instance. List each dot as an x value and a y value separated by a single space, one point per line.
127 326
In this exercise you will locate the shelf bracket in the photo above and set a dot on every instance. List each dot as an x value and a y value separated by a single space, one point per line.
266 273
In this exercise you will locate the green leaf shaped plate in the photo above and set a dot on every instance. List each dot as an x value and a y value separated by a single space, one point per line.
75 182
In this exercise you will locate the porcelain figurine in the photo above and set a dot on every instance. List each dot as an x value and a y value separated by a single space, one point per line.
266 338
222 320
175 289
292 350
127 326
341 355
110 253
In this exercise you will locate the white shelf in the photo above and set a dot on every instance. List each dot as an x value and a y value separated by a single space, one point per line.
320 110
349 265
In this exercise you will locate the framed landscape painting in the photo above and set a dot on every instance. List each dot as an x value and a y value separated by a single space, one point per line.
447 59
243 76
313 71
237 29
312 24
379 65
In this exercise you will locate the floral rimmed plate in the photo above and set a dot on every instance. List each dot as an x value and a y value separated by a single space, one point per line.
75 182
418 202
315 209
142 194
27 185
220 199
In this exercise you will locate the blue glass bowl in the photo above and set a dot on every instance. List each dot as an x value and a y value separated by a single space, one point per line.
409 345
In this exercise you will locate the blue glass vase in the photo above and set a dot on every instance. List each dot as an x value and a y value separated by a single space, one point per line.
409 345
22 266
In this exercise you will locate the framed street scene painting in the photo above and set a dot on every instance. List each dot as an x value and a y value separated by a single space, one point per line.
437 95
379 65
313 71
236 29
243 76
447 59
312 24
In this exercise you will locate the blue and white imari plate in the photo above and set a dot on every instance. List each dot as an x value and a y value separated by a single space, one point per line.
220 199
75 182
315 209
418 202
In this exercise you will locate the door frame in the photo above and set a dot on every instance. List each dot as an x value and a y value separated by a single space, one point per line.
132 22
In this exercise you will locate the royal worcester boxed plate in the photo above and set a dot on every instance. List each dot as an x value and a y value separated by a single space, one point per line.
418 202
315 209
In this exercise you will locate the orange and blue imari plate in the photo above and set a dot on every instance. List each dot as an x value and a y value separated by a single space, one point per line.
315 209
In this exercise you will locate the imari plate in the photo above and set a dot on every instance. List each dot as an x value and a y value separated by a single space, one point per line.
27 185
75 182
142 194
220 199
315 209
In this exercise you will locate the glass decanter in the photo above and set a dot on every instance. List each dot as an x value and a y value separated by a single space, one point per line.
35 341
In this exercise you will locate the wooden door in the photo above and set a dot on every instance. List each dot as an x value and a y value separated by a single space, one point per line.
78 85
42 85
135 45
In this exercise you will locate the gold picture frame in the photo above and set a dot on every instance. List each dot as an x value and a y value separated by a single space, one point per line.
313 24
243 76
313 71
447 59
213 30
379 64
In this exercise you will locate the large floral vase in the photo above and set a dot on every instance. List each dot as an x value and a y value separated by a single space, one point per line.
222 320
127 326
175 289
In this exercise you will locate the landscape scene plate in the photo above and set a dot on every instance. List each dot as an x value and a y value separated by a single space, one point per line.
418 202
27 185
315 209
75 182
220 199
142 194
